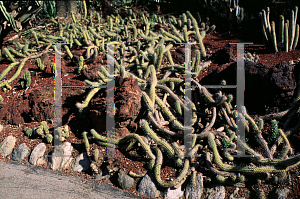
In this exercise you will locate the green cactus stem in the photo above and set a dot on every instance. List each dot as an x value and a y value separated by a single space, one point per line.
80 64
9 55
170 35
286 37
199 38
145 146
165 145
52 66
170 58
148 38
296 37
157 170
6 70
86 142
16 52
17 73
68 51
27 80
281 29
274 36
96 155
161 128
83 105
39 64
175 31
35 37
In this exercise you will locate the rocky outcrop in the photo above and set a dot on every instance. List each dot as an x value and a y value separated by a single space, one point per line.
127 106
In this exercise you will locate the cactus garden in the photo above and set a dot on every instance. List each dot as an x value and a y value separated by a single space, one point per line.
175 111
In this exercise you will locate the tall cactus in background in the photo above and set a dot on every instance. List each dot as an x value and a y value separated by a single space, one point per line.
288 31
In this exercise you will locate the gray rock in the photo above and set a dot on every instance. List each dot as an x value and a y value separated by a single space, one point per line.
7 146
82 162
125 181
282 193
147 186
21 152
36 153
172 193
195 192
61 157
216 192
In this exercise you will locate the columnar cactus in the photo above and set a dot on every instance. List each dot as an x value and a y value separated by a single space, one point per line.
288 31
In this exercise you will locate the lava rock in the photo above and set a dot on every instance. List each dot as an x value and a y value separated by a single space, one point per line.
127 106
20 152
283 77
91 73
41 101
37 153
7 145
125 181
264 86
224 55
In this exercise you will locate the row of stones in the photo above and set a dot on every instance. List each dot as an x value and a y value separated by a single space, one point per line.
61 159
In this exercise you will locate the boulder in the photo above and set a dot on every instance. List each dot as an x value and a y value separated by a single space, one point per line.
7 145
20 152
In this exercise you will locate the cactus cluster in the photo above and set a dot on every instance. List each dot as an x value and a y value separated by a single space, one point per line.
42 131
26 80
251 57
62 133
143 52
288 31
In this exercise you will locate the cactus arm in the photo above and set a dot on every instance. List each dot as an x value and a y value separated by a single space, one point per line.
258 135
170 35
286 37
4 73
274 36
83 105
281 29
287 143
296 37
170 58
86 142
161 128
16 52
160 56
292 27
165 145
148 102
9 55
157 170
